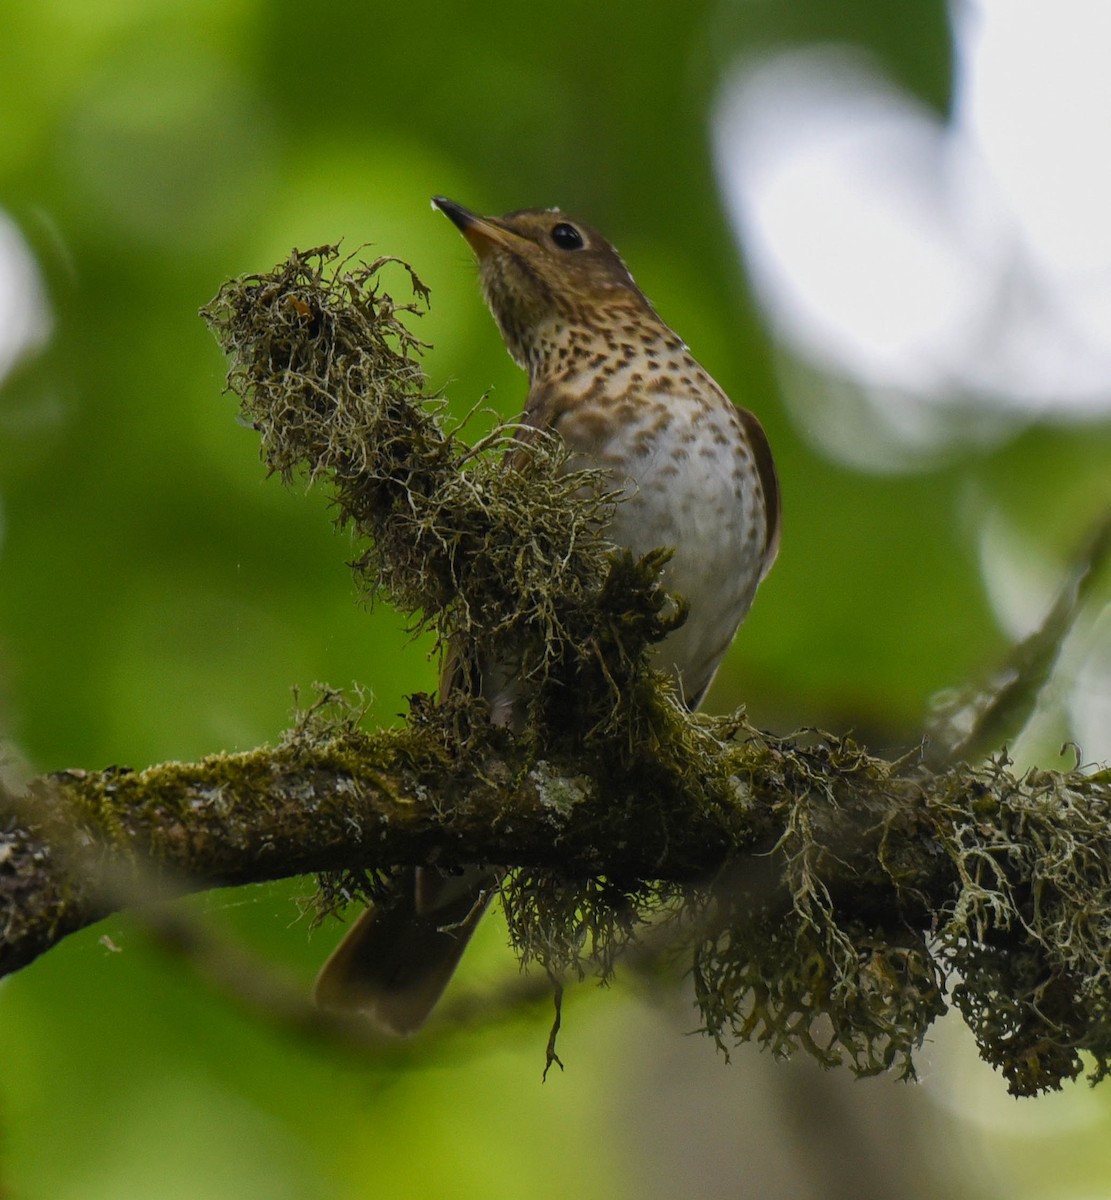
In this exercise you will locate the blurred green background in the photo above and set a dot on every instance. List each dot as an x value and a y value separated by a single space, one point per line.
159 597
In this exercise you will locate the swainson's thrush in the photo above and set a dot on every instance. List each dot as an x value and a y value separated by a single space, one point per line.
696 472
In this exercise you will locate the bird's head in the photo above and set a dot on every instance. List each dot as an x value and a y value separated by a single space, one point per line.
541 270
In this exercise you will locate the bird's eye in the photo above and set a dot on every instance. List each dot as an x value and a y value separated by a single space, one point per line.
567 237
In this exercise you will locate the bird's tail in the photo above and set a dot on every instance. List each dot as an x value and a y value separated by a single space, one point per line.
395 961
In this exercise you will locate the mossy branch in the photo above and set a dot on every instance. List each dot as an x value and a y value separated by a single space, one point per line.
832 901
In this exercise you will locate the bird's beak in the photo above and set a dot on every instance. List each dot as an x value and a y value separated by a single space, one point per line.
483 234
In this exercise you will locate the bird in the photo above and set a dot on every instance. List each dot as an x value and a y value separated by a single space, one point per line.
693 473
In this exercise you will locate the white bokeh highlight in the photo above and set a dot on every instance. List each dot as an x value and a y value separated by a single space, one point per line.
936 266
838 186
25 321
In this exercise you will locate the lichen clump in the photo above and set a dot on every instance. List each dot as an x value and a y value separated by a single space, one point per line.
494 545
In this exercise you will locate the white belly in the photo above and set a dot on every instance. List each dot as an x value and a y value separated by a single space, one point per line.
691 488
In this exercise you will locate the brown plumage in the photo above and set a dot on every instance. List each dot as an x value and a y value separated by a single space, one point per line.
696 476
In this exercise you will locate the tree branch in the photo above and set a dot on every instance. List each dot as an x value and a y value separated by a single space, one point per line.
813 879
830 900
